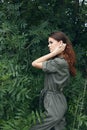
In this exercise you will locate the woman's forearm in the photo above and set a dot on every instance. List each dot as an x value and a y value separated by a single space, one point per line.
38 62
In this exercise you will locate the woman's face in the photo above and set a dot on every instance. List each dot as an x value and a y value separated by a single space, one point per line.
53 44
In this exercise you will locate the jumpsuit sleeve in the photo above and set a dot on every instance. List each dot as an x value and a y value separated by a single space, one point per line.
50 66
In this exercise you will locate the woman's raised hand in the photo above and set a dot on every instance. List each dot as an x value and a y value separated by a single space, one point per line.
60 48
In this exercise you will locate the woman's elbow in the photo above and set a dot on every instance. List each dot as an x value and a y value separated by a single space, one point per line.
37 65
33 64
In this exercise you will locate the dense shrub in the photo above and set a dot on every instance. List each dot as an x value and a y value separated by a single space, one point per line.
24 28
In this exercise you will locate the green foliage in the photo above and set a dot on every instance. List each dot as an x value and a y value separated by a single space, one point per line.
24 29
23 123
77 91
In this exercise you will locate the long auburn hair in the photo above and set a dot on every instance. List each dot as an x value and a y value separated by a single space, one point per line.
68 53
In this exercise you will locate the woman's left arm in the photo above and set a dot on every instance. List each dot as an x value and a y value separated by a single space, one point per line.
38 62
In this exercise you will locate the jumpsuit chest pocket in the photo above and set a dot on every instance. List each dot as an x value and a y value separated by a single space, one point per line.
47 100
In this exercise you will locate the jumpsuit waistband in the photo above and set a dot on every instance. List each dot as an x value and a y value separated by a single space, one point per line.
44 92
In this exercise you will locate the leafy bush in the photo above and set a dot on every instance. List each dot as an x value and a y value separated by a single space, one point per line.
23 38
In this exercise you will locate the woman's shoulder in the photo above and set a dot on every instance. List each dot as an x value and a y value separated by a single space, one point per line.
61 61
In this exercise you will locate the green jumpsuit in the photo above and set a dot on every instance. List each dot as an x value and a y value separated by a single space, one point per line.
55 104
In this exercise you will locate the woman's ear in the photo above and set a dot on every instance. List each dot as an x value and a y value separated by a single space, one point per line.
61 42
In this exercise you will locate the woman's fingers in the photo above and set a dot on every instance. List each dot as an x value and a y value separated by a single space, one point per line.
62 45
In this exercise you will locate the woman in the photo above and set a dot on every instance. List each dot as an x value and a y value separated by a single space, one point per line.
57 65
